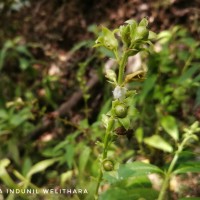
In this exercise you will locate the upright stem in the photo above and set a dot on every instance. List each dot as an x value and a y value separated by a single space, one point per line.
105 150
165 184
122 65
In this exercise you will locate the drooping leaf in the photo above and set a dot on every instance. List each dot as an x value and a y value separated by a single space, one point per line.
158 142
41 166
4 176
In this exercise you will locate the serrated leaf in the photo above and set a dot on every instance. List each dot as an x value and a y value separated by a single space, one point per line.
137 169
40 166
170 126
125 122
158 142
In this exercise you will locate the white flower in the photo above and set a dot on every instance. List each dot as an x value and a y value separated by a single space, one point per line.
119 93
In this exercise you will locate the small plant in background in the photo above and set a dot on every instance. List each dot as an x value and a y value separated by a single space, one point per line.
129 181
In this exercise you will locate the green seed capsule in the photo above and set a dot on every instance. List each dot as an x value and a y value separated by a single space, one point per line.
121 111
108 165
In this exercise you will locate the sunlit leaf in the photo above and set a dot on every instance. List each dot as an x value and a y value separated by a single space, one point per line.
139 134
170 126
4 176
41 166
137 169
158 142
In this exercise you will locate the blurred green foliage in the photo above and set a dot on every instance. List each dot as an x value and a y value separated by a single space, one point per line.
166 105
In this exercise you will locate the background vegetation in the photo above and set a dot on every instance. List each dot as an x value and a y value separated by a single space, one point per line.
53 94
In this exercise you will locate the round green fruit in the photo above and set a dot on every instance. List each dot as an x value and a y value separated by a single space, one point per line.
121 111
108 165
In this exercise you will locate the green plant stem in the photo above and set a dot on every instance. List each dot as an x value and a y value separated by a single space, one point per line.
105 150
188 61
98 184
122 68
165 184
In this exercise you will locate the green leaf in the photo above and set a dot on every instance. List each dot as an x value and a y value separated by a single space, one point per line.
13 149
83 159
158 142
137 169
190 198
188 167
27 163
148 85
152 35
170 126
105 120
195 169
139 134
111 177
4 176
125 122
197 100
111 75
24 63
23 50
105 108
66 176
131 194
3 114
188 74
41 166
69 155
